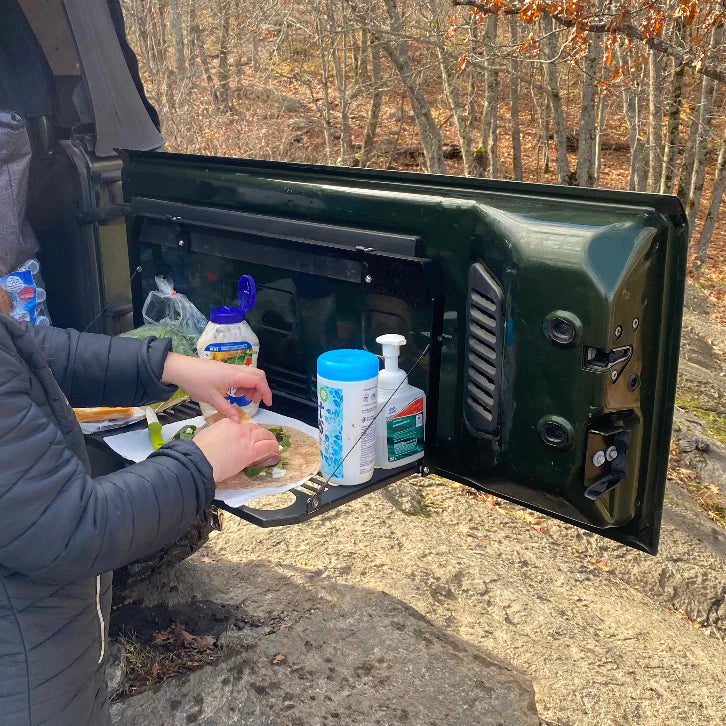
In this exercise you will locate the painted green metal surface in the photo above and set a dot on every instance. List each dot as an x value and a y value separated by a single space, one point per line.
607 258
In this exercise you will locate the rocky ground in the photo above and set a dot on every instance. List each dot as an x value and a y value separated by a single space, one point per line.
426 605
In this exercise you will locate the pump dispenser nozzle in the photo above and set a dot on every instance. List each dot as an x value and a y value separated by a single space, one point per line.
392 375
391 345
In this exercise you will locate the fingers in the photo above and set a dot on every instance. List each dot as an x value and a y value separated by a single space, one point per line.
224 407
260 434
263 448
254 382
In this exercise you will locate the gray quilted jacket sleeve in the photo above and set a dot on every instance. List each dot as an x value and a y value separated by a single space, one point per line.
60 525
97 370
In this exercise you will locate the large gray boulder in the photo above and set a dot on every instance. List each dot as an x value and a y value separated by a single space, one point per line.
351 656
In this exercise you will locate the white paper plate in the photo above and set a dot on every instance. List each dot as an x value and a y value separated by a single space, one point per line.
136 446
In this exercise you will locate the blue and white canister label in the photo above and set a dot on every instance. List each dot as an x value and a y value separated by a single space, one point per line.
330 420
346 411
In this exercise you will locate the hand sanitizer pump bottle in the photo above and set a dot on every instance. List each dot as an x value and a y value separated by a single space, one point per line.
400 424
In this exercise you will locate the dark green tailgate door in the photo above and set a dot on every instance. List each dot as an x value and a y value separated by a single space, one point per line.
559 330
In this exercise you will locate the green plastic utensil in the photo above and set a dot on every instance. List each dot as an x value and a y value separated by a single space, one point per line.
154 429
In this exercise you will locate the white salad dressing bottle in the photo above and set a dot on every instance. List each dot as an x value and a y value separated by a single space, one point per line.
400 423
228 337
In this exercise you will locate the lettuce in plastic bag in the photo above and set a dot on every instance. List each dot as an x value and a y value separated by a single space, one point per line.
169 314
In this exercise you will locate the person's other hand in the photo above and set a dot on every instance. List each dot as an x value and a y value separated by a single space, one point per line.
209 380
231 447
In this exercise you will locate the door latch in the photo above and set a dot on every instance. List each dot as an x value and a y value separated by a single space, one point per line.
607 461
601 361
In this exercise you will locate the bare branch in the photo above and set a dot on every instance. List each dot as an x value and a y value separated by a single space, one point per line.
717 72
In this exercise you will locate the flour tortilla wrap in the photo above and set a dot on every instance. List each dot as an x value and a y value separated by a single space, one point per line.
301 460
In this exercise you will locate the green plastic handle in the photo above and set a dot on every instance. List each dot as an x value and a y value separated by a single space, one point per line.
154 429
155 435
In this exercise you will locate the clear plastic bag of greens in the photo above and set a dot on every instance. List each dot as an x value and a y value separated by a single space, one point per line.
166 305
169 314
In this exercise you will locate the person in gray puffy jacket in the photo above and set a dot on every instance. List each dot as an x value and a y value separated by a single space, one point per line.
63 532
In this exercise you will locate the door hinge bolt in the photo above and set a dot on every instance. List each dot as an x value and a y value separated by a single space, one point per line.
612 453
614 376
618 331
636 323
599 458
368 279
425 471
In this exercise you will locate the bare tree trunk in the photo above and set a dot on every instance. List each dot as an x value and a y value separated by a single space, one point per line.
339 56
144 30
374 113
255 51
709 224
461 122
201 53
601 113
546 116
191 49
487 161
704 135
689 157
588 114
670 157
325 109
180 61
472 73
177 34
631 108
156 23
514 102
397 52
655 125
161 45
223 66
362 74
138 15
549 47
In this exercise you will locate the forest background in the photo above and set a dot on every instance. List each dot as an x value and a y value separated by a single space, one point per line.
601 93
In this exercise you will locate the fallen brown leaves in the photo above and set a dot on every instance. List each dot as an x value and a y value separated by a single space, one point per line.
705 628
602 564
170 652
707 495
182 639
533 519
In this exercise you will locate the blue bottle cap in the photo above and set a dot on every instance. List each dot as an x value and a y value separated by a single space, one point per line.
226 315
246 292
231 314
347 365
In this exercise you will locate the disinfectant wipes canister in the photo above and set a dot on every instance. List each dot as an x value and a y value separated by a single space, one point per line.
347 405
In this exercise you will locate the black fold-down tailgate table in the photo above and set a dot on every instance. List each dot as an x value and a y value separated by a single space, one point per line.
311 499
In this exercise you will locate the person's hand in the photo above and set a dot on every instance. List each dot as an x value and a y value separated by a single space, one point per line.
231 447
209 380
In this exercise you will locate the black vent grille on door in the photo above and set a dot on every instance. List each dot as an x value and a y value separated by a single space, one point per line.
483 351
